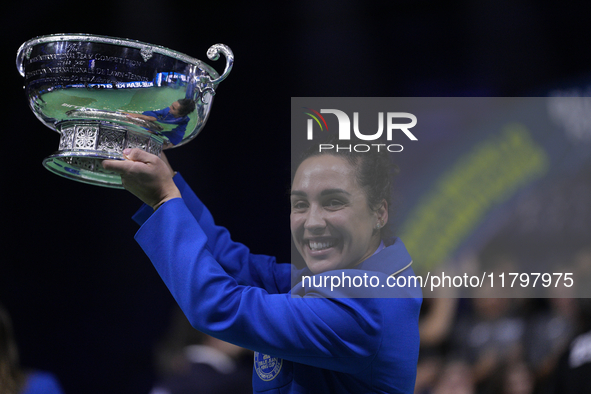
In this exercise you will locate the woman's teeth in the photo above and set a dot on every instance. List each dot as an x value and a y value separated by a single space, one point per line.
320 245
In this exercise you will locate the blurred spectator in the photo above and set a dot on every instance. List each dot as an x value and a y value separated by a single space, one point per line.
435 324
517 379
512 377
549 330
13 379
191 362
489 336
455 378
574 367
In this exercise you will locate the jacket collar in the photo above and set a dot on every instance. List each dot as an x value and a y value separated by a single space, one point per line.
390 260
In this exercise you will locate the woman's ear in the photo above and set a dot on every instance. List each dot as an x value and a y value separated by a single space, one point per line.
382 214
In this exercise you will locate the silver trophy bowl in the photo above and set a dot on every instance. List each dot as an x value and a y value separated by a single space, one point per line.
105 94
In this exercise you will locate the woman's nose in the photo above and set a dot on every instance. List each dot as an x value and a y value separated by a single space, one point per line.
315 220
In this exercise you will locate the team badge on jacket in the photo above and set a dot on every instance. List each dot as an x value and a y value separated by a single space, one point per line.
267 367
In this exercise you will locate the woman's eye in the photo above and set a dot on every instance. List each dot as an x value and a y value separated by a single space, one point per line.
334 203
299 205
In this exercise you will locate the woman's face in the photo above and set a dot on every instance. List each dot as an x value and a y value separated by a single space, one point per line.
175 109
331 222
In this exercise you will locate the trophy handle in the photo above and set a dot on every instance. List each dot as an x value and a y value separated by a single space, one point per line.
213 53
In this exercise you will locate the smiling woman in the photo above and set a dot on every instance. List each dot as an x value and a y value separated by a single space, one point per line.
361 337
332 223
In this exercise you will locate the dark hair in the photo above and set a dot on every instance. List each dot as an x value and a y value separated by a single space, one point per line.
186 106
375 173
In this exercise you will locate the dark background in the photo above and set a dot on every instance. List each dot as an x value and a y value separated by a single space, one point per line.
85 301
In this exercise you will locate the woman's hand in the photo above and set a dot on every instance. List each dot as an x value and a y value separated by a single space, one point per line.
146 176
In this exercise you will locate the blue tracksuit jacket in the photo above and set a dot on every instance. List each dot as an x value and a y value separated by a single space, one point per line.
163 115
304 341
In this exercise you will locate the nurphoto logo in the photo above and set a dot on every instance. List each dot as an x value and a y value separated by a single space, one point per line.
391 120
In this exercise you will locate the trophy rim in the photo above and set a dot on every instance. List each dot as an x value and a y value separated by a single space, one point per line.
124 42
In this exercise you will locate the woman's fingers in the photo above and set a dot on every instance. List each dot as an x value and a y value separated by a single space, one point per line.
145 175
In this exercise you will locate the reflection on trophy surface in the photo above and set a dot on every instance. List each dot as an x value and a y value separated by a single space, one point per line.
104 94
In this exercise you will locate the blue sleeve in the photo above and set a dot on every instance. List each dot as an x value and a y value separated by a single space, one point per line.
160 112
176 135
234 257
339 334
42 382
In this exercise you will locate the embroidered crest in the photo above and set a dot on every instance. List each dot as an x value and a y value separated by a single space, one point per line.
267 367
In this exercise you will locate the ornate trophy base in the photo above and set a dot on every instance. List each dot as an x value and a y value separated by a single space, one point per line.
84 144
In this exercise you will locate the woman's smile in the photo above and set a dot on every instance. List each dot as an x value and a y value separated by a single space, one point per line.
316 245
